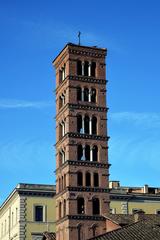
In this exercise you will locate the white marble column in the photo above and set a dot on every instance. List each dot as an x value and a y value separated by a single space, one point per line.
90 125
83 129
83 68
83 156
82 96
89 96
89 68
91 154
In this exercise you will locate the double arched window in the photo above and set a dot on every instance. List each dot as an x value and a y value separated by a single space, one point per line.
86 68
94 178
87 153
86 124
86 94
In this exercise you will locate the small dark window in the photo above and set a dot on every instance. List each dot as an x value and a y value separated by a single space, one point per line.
93 69
39 213
80 152
79 233
96 180
94 125
60 210
88 179
86 94
64 208
95 206
93 95
86 124
79 94
79 179
79 68
79 123
80 205
95 153
86 65
87 153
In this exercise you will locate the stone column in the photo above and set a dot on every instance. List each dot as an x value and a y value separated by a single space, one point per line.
90 125
83 68
89 68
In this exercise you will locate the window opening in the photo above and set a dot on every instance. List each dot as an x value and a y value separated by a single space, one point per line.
79 124
80 206
93 95
87 153
95 205
79 68
39 213
79 94
88 179
95 153
86 124
86 94
79 179
94 125
93 69
96 180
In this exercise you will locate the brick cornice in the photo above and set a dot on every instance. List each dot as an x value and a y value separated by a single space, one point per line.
83 163
81 79
82 136
81 217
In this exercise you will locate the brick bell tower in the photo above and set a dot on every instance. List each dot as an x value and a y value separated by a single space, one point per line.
82 167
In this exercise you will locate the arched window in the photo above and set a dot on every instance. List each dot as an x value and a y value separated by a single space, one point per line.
86 94
80 205
95 153
62 157
95 206
60 210
79 179
59 184
79 228
64 180
79 124
79 152
79 67
88 179
96 180
86 65
62 183
94 125
79 94
93 69
94 230
93 95
87 153
86 124
64 208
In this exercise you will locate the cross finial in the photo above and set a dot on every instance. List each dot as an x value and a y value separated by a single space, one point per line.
79 37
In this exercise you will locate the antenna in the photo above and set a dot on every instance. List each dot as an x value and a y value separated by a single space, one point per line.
79 37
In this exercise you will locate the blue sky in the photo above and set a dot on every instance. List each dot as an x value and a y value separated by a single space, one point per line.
31 35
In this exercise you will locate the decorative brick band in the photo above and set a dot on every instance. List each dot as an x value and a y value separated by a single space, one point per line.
87 79
88 189
83 163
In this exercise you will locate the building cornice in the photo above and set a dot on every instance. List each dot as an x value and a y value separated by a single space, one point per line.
83 163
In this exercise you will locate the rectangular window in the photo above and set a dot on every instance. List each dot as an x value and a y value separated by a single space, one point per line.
39 213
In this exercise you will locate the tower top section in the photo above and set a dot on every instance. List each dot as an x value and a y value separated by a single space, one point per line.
80 50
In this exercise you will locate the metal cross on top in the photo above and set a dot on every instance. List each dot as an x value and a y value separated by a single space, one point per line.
79 37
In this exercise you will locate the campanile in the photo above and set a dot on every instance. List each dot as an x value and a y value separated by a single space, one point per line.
82 168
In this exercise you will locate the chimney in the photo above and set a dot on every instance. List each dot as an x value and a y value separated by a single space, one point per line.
139 215
114 184
145 188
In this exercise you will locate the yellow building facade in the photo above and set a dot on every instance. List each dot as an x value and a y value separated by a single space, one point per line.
30 209
28 212
127 200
